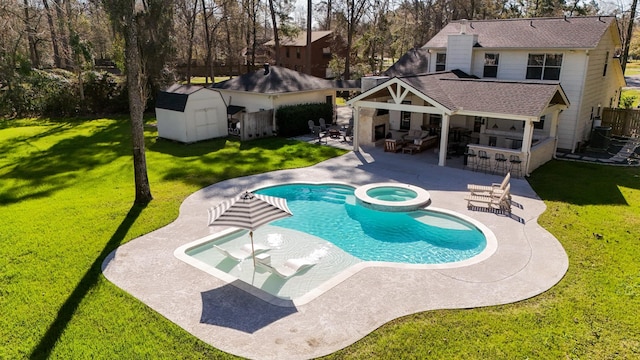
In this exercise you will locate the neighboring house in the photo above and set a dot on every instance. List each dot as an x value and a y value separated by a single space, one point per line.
270 88
579 52
324 45
522 87
189 113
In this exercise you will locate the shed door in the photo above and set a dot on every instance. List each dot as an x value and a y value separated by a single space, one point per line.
206 124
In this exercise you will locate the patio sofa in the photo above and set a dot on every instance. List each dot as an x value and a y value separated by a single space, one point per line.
419 145
415 135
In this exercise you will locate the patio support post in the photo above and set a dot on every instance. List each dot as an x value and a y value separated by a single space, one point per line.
356 128
526 143
444 140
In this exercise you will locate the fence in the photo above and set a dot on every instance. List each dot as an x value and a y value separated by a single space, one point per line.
623 122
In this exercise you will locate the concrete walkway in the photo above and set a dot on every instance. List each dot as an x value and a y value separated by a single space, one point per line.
527 262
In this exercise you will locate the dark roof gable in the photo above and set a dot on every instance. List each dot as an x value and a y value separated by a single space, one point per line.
175 97
565 33
276 80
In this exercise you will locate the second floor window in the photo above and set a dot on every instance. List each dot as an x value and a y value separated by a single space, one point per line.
544 66
287 51
298 53
490 65
441 61
606 62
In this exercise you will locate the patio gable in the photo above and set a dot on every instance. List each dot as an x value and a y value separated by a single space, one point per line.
455 93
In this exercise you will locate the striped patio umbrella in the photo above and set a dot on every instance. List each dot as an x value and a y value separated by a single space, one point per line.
249 211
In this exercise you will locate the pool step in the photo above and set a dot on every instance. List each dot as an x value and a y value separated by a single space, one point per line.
338 195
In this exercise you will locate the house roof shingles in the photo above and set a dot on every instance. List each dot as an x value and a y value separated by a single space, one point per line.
175 97
534 33
456 92
301 39
278 80
415 61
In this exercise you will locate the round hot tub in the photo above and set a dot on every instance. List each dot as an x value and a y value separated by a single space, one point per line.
392 197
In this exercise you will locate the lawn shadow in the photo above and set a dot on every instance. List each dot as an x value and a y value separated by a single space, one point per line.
88 281
233 308
62 163
581 183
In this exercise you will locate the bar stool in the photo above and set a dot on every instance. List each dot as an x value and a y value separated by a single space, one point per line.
483 161
515 164
470 155
501 164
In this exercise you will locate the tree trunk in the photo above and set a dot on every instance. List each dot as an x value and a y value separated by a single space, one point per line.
627 40
308 57
64 50
192 30
276 36
254 25
54 37
136 109
208 41
328 21
33 51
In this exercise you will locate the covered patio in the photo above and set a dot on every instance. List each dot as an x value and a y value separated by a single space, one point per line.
459 114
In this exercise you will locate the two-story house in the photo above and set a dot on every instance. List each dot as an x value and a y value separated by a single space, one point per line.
293 50
523 87
579 52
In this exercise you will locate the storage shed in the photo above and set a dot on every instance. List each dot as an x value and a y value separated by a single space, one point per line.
189 113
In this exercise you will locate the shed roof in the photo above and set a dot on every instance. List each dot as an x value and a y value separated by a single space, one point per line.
565 33
175 97
301 39
277 80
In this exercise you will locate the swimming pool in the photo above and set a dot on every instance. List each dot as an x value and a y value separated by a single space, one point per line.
344 237
330 212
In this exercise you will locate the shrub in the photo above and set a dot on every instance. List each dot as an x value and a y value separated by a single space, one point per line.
293 120
626 101
104 94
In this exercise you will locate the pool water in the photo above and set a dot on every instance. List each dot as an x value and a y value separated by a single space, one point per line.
389 193
330 212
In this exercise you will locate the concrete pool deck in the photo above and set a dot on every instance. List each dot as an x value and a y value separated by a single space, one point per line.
527 262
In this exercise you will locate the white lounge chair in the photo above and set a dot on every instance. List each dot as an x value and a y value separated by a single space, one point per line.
488 189
243 253
290 268
497 198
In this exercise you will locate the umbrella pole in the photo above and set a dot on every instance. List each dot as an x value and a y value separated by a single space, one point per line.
253 252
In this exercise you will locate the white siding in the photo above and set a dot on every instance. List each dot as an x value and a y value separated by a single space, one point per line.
459 52
171 125
513 66
204 117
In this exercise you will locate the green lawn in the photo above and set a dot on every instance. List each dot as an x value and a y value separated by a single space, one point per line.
66 192
632 68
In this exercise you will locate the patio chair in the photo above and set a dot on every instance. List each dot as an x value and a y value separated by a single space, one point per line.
323 124
317 132
499 199
488 189
515 165
392 145
348 133
311 125
290 267
243 253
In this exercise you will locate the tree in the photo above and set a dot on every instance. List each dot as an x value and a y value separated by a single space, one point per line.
627 40
124 15
355 10
54 38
